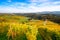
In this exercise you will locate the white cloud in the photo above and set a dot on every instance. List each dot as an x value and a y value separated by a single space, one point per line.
39 0
57 2
9 0
32 7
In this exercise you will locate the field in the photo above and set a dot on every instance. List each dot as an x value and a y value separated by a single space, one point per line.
13 27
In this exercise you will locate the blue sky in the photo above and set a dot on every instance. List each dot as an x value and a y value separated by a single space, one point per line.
21 6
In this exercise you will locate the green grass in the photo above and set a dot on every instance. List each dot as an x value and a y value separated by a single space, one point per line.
43 32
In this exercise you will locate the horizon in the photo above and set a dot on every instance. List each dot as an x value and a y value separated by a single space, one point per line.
31 12
29 6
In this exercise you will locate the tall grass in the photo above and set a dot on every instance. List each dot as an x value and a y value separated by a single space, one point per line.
22 29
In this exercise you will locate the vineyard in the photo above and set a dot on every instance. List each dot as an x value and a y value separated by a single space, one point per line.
21 28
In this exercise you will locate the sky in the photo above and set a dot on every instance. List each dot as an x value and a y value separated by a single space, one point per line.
26 6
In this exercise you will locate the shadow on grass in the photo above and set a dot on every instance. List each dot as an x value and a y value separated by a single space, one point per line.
45 34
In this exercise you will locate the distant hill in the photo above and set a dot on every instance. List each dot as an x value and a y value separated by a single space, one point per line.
52 16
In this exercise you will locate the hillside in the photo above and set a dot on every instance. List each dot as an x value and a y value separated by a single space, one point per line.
13 27
52 16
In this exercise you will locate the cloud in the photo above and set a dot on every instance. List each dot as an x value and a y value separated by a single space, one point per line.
34 6
57 2
29 9
9 0
39 0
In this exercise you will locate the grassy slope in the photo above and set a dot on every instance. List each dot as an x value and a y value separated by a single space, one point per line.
19 28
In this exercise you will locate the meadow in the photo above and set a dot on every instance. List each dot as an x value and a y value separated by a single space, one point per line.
13 27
